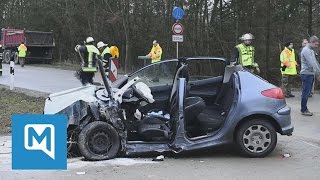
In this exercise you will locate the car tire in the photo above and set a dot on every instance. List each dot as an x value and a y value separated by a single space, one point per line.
256 138
16 58
98 141
6 56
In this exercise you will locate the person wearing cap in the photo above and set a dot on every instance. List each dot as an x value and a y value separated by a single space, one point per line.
288 68
156 52
105 54
89 53
244 53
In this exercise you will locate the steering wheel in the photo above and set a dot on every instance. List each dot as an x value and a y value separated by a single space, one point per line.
140 93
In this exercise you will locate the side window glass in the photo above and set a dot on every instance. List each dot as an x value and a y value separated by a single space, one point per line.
161 74
200 69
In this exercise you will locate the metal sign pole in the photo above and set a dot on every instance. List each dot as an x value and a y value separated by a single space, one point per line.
177 27
177 50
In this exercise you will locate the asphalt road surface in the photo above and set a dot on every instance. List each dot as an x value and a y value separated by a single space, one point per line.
219 163
47 80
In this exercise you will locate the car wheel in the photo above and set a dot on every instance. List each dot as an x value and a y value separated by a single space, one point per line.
98 141
256 138
6 56
16 58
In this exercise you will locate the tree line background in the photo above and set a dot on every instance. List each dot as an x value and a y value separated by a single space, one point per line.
211 27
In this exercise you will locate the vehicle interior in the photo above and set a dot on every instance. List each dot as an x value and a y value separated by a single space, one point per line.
208 101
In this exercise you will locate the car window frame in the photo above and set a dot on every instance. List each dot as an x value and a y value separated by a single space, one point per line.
211 59
154 64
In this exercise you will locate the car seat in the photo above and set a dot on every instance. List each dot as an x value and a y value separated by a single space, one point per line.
155 128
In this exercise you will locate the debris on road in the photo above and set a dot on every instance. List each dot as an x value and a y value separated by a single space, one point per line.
158 158
286 155
81 173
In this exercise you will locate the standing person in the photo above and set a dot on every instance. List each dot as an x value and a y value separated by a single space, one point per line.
1 52
288 68
156 52
244 53
105 54
22 49
303 44
309 67
90 53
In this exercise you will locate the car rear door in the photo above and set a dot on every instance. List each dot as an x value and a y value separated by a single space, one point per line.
205 77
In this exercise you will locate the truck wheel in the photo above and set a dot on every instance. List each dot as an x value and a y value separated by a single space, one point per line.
256 138
98 141
16 58
6 56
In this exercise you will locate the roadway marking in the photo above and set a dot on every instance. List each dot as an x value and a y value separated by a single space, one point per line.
310 144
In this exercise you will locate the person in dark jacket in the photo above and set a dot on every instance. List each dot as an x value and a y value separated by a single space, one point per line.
89 53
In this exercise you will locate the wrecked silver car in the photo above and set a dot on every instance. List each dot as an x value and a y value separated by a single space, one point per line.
181 108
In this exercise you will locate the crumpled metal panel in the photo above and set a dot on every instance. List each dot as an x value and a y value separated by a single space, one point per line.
75 112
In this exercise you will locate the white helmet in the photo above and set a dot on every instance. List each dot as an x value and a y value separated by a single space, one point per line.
247 36
100 44
89 40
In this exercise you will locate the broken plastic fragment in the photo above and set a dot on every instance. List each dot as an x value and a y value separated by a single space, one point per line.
286 155
138 114
158 158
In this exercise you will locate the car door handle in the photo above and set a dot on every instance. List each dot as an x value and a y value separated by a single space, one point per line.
192 84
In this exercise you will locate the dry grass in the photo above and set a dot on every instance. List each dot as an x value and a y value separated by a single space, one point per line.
17 103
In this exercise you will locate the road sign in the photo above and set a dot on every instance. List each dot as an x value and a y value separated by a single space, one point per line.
177 38
177 28
177 13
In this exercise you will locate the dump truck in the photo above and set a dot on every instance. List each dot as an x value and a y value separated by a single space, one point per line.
40 44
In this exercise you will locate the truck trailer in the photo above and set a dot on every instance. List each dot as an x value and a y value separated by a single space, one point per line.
40 45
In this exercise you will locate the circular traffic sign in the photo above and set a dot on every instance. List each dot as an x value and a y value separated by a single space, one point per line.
177 28
177 13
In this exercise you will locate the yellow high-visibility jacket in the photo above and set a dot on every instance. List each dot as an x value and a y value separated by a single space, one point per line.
246 55
288 59
155 53
22 49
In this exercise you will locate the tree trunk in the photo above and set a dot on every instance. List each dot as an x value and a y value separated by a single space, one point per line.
310 18
268 14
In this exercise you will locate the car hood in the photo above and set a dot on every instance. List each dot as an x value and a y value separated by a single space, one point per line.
56 102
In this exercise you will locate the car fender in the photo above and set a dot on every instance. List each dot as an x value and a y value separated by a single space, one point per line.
258 115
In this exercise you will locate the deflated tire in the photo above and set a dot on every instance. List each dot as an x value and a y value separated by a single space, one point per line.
98 141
